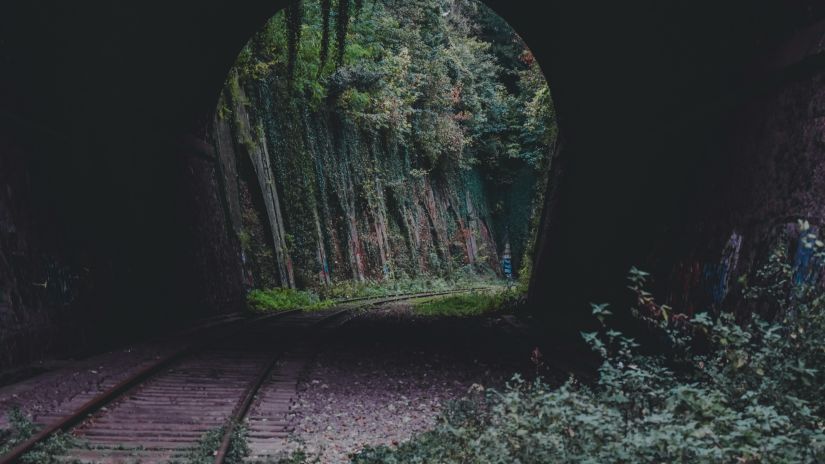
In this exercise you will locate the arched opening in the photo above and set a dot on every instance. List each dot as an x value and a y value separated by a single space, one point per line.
384 146
691 130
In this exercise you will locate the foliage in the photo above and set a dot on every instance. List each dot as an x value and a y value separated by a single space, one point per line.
51 451
282 299
419 93
21 428
721 392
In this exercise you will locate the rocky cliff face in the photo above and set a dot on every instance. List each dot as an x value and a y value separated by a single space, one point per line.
317 200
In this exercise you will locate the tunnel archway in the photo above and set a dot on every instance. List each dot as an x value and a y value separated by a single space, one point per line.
105 106
370 156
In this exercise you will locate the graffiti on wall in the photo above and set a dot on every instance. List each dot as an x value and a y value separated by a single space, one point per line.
807 264
702 286
699 285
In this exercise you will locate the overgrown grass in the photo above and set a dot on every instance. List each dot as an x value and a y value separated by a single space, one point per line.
463 304
282 299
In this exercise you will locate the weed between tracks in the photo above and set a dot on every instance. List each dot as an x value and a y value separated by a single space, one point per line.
21 428
205 450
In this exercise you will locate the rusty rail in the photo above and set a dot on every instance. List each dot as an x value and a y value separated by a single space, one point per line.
108 396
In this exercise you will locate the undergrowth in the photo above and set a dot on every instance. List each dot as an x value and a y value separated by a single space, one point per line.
21 428
355 289
464 304
724 390
205 450
282 299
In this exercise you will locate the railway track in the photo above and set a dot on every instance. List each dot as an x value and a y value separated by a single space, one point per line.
244 373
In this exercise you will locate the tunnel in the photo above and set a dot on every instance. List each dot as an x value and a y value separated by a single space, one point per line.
690 138
105 165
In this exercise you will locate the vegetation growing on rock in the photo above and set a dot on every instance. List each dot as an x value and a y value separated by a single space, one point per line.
414 145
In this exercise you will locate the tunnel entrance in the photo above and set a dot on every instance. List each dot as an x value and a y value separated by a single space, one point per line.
383 146
364 153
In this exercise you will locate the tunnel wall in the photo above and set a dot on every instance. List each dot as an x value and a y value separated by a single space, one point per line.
768 175
68 284
39 280
717 182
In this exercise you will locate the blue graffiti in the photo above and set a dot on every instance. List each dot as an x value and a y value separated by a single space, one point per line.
717 277
806 264
507 267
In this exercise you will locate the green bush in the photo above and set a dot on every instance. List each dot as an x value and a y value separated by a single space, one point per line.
753 393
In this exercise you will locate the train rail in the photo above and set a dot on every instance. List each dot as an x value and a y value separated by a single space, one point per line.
243 372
